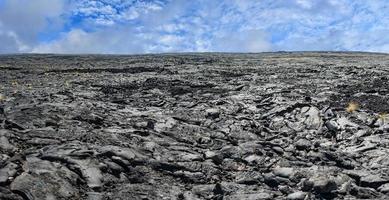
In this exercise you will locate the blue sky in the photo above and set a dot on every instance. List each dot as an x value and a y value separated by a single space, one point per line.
155 26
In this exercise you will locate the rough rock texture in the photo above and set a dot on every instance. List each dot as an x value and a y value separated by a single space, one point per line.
201 126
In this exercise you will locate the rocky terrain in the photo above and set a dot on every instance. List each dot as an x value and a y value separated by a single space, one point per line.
195 126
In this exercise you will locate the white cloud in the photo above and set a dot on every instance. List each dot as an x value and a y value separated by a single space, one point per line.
11 43
104 12
22 20
130 14
107 41
136 26
242 41
305 3
116 40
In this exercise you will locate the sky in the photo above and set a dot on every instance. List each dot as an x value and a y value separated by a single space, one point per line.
159 26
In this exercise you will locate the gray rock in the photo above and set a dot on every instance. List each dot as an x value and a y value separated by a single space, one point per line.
5 145
313 119
150 146
345 123
2 97
46 181
255 196
233 152
384 188
322 184
344 188
3 159
8 172
6 194
95 196
42 141
278 150
216 157
254 159
299 195
114 167
190 157
303 144
364 192
285 189
356 174
273 181
183 127
373 181
212 112
203 191
332 125
360 133
328 113
144 125
126 153
195 177
285 172
121 161
365 146
248 178
91 172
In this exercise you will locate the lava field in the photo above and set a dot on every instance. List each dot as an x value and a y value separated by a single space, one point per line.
296 126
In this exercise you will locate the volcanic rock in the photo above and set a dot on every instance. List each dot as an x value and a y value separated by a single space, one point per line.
194 126
296 196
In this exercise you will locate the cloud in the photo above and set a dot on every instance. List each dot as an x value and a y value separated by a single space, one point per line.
11 42
110 12
106 41
242 41
137 26
22 20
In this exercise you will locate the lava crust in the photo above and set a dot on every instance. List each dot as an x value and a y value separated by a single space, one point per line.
303 125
